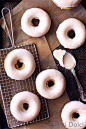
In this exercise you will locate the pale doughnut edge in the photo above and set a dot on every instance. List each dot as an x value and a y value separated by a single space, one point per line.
63 8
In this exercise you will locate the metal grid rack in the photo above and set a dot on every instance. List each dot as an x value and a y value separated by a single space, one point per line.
10 87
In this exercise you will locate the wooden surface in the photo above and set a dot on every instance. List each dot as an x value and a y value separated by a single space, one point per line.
44 49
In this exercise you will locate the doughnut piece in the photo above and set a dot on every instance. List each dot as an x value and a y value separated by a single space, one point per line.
19 64
17 106
44 22
71 33
50 83
74 115
67 4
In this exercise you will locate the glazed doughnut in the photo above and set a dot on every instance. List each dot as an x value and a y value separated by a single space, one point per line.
25 59
71 41
50 83
30 112
74 115
38 14
67 4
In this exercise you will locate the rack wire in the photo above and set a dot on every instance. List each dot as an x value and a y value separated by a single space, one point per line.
10 87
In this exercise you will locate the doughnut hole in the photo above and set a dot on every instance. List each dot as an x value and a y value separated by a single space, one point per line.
50 83
71 34
35 22
75 115
19 65
25 106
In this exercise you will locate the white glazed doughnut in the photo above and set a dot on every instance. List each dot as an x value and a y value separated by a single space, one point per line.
27 61
43 26
17 106
50 83
67 4
74 115
71 24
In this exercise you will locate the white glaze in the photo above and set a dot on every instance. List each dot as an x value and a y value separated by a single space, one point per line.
65 59
24 56
69 61
43 26
50 92
65 27
67 115
58 54
17 110
67 3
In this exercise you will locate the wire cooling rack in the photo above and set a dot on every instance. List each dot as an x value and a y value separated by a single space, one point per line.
10 87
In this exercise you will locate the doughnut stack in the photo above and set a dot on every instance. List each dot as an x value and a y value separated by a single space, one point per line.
50 83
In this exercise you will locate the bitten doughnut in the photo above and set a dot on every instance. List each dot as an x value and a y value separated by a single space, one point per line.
32 109
71 33
19 64
44 22
74 115
50 83
67 4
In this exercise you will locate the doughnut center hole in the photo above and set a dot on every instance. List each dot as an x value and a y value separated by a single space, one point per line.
35 22
25 106
19 65
75 115
50 83
71 34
